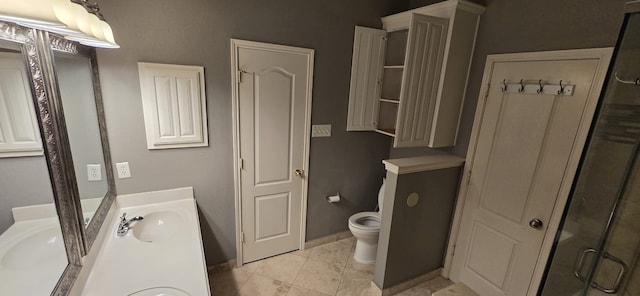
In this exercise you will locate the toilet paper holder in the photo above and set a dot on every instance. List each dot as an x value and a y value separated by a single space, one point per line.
333 198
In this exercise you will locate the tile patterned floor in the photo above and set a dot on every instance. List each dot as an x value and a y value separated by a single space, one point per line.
324 270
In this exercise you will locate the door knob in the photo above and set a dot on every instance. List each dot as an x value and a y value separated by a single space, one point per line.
535 223
299 173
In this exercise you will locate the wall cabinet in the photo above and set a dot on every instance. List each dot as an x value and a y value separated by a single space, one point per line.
408 81
174 104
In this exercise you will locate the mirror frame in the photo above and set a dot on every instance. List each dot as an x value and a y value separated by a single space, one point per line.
60 44
37 49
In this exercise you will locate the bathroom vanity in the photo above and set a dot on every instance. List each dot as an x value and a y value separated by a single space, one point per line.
419 199
161 253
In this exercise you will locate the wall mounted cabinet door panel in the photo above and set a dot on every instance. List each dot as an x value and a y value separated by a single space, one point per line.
19 133
174 104
423 68
366 75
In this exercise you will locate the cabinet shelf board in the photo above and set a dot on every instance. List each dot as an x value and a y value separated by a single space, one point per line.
393 101
394 67
387 131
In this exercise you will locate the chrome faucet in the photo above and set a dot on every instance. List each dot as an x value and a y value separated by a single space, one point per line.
125 224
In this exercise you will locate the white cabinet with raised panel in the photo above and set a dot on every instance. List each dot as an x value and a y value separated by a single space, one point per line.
408 81
174 104
19 132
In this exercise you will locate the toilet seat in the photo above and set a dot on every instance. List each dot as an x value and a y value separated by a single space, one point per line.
365 221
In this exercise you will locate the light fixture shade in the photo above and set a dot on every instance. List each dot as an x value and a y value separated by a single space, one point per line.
97 33
63 17
32 12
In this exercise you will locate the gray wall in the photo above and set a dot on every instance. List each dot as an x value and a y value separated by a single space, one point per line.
521 26
198 33
413 239
24 181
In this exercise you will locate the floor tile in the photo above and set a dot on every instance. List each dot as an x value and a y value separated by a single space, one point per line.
334 253
355 283
420 290
439 283
284 267
304 253
319 276
263 286
299 291
349 240
250 267
227 283
458 289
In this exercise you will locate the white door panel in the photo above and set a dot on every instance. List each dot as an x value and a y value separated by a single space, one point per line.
273 94
19 133
521 160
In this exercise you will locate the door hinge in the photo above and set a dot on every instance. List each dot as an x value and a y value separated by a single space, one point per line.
486 95
469 178
239 76
241 163
242 238
453 250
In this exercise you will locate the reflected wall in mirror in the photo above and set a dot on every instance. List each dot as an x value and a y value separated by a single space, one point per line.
31 243
75 81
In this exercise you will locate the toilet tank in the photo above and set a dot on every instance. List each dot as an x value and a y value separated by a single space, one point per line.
381 196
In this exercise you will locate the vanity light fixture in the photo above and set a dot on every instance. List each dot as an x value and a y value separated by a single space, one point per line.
76 20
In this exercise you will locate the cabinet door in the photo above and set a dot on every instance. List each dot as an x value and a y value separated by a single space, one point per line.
421 81
366 74
174 105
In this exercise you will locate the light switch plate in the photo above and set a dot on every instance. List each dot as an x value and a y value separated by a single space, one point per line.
123 170
94 172
320 130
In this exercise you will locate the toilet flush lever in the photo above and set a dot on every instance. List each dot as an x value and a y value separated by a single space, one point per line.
299 173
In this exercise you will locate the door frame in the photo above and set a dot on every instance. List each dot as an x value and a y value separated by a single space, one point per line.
604 56
236 44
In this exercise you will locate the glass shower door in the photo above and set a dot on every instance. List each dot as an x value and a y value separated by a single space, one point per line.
597 249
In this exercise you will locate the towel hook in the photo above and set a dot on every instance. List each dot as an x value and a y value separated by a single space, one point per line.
540 89
521 85
504 85
561 91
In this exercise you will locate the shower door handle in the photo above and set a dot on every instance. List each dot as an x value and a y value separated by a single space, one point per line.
619 278
577 269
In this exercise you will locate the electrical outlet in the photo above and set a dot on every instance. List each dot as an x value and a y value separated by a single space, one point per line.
94 172
320 130
123 170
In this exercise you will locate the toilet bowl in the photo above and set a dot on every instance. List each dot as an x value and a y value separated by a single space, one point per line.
365 227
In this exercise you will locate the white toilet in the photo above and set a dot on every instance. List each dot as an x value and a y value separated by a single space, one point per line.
365 227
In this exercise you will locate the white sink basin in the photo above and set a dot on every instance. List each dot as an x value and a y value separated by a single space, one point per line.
160 291
158 226
41 247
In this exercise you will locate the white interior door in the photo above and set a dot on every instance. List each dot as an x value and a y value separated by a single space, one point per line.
521 163
274 99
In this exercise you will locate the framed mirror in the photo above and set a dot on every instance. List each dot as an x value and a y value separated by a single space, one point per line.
54 162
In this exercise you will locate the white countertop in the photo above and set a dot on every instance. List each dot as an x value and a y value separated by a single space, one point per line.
126 265
422 163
